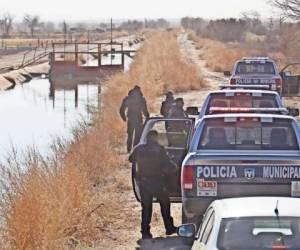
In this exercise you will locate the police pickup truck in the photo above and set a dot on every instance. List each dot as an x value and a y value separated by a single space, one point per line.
234 155
240 98
256 71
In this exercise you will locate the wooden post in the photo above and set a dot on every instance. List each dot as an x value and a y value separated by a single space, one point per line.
99 55
76 53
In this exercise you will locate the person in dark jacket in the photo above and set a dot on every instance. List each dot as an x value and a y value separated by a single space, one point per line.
177 111
132 110
167 104
154 166
177 130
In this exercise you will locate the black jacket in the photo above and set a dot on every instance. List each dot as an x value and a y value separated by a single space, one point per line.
135 105
153 161
166 106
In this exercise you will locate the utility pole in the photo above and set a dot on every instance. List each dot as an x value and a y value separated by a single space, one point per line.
111 28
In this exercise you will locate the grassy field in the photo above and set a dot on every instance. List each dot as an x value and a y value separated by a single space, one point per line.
222 56
55 203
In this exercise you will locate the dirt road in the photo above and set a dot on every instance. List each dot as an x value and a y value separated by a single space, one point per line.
126 224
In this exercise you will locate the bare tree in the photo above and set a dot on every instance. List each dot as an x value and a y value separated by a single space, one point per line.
6 24
289 8
32 22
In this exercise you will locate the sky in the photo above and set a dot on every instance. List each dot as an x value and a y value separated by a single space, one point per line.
93 10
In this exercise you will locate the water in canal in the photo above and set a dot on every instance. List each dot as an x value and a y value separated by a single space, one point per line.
30 116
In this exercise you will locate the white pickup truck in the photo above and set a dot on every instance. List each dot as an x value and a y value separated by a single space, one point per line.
256 70
240 98
234 155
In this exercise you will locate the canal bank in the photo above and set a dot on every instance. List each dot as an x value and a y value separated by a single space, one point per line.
12 78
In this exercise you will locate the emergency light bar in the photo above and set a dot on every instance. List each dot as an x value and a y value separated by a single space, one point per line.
258 87
256 58
222 110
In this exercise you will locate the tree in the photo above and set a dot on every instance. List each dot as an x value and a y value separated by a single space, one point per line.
6 24
32 22
289 8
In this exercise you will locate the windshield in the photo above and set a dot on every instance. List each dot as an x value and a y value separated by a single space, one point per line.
255 67
171 133
242 100
259 233
248 133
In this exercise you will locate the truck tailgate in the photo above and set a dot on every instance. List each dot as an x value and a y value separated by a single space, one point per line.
221 181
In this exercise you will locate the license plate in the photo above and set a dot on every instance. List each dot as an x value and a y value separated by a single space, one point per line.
207 188
295 189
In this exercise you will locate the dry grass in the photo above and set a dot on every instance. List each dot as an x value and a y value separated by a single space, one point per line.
222 56
55 204
28 42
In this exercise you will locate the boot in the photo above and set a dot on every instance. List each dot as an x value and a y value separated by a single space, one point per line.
171 230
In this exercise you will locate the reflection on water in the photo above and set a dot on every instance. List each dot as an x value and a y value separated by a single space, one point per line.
29 116
35 114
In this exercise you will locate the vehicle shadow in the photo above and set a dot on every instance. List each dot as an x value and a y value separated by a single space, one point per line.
160 243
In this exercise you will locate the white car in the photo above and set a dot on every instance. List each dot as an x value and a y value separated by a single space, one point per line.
251 223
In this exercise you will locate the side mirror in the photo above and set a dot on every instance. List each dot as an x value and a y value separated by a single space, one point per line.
293 111
187 230
192 111
227 73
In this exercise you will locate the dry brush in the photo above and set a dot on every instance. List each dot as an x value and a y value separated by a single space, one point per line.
59 202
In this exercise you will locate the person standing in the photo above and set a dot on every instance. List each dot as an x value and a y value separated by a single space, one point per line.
177 111
154 166
132 110
177 130
167 104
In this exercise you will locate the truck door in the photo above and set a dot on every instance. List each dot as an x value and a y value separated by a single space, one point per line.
291 80
174 135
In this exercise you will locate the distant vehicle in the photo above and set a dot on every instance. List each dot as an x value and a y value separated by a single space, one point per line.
256 71
221 101
253 223
233 155
175 136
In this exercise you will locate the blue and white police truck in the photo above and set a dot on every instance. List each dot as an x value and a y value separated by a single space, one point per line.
240 155
222 101
256 71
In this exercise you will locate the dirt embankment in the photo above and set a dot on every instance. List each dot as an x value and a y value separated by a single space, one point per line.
10 79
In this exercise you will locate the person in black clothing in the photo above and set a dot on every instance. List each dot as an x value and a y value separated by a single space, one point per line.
177 111
154 166
167 104
177 130
136 107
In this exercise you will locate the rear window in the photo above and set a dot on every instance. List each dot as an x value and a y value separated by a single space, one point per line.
243 100
259 233
248 134
255 67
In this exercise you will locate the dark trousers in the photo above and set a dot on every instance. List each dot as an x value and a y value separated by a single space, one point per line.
148 190
134 130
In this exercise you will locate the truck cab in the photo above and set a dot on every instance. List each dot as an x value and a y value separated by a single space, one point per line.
240 155
221 101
